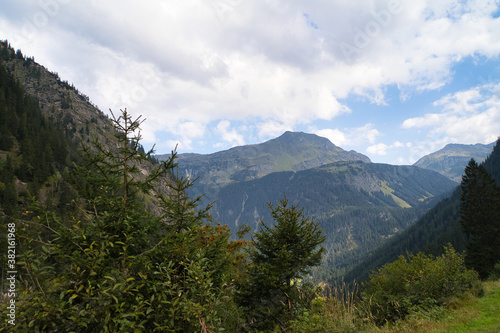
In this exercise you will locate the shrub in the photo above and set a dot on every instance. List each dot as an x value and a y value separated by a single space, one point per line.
495 274
419 283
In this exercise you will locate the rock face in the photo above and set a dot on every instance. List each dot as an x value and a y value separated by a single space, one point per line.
58 100
452 159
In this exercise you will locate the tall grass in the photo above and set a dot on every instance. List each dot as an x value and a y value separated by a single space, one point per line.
338 310
412 294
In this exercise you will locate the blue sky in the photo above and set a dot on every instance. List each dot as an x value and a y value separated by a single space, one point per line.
394 80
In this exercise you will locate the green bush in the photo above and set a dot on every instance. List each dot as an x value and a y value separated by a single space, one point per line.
495 274
419 283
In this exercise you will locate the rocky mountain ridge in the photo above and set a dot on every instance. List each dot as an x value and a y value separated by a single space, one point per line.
451 160
292 151
57 99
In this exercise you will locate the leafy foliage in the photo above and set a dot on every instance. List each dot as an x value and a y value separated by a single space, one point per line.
418 283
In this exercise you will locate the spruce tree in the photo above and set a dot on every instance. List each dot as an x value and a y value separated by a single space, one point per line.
118 265
283 254
480 218
8 193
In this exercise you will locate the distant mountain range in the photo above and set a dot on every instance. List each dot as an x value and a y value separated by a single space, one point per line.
292 151
452 159
440 226
359 204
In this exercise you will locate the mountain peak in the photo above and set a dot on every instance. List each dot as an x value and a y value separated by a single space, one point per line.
301 137
293 142
451 160
306 150
291 151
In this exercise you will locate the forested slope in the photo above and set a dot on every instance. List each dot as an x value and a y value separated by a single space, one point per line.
358 205
439 226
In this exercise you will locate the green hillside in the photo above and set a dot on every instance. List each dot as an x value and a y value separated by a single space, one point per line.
358 205
439 226
33 148
292 151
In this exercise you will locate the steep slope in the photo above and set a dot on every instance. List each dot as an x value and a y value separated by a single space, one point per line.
32 148
438 227
452 159
61 106
292 151
58 100
359 205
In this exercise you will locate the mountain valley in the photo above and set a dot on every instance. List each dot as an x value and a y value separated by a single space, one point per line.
360 205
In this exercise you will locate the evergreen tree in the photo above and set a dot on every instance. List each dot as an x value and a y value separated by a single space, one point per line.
118 267
8 193
480 218
283 253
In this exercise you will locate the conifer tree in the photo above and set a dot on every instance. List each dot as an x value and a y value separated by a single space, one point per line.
117 266
283 254
8 193
480 218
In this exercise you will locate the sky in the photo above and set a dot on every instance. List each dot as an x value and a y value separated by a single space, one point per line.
394 80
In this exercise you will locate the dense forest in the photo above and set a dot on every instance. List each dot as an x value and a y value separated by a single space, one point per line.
440 225
98 236
355 220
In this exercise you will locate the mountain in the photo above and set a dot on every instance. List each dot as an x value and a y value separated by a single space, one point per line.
438 227
452 159
43 122
292 151
358 205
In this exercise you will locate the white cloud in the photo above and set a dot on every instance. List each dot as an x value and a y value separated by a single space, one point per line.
230 136
336 136
274 65
382 149
350 137
469 116
398 144
428 120
271 129
378 149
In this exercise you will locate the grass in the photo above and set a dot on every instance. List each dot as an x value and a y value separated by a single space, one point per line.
478 315
389 191
468 314
341 313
